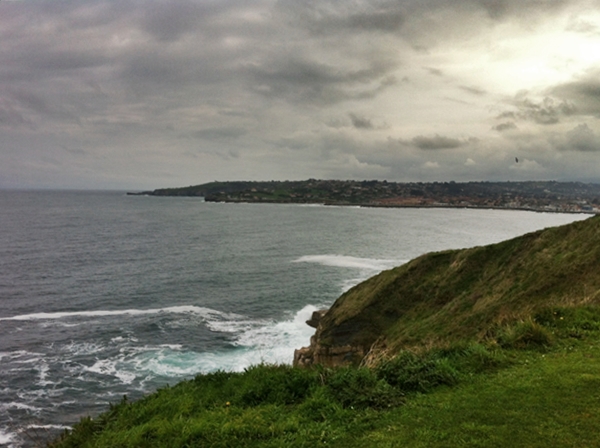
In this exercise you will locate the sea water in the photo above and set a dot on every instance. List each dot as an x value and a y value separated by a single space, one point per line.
104 295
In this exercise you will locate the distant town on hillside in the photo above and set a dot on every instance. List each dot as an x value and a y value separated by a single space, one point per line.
549 196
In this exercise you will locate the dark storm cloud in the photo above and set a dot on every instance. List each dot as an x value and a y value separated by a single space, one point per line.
436 142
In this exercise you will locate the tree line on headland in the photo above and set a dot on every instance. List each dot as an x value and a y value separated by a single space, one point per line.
531 195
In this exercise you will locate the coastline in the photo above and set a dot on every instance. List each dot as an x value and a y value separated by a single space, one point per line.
371 205
415 206
537 196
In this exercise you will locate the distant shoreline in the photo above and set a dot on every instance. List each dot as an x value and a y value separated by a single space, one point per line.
424 206
538 196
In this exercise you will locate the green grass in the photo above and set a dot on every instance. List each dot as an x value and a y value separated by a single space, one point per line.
543 400
542 393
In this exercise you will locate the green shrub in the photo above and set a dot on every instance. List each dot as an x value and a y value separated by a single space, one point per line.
276 385
570 321
412 373
360 387
525 335
319 407
474 357
477 358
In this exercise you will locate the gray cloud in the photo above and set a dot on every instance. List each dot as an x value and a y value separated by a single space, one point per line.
56 61
582 138
583 26
32 104
326 17
545 112
506 126
436 142
434 71
219 133
312 81
583 92
383 20
11 117
503 9
473 90
169 21
187 89
360 122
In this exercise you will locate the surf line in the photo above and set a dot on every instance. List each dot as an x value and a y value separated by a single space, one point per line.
185 309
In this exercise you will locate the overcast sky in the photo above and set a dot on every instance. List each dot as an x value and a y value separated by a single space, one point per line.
146 94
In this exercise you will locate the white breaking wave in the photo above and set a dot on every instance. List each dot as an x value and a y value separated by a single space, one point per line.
252 341
367 267
21 406
6 438
110 367
276 342
184 309
344 261
256 341
43 369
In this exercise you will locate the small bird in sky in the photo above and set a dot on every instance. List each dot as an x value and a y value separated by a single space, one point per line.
517 159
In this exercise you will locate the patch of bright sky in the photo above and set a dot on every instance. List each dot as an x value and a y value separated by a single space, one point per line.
535 59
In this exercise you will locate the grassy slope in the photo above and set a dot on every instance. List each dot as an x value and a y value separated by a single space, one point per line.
533 380
541 402
453 295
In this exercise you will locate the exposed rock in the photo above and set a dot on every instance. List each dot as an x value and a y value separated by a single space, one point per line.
328 356
316 318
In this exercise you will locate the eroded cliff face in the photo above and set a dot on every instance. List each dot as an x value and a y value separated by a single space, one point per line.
323 354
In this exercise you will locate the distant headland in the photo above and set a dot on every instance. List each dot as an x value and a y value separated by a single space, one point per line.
546 196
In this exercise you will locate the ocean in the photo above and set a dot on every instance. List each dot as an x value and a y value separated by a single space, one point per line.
104 295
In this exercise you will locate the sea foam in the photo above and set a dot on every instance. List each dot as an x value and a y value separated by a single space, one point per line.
366 267
344 261
184 309
6 438
254 342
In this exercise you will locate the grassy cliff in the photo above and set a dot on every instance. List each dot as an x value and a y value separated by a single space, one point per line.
470 294
490 346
